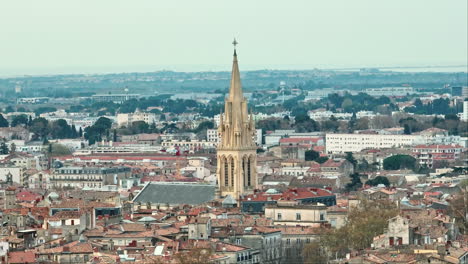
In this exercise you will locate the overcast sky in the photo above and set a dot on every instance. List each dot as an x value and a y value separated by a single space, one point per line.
57 36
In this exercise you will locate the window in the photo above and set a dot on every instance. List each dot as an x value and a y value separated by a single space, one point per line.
298 241
279 216
238 241
288 241
307 240
322 217
298 216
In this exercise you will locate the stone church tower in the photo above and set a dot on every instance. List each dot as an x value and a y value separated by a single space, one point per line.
237 152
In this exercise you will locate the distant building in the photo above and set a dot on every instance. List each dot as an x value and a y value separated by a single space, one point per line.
128 118
32 100
115 98
341 143
430 155
465 111
390 91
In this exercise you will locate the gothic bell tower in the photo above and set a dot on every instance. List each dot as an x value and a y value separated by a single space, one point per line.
237 152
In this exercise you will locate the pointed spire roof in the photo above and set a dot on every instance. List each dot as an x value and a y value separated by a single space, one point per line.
235 91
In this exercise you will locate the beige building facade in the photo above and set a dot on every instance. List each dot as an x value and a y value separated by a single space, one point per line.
291 213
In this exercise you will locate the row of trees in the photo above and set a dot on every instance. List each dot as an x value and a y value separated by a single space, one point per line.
42 128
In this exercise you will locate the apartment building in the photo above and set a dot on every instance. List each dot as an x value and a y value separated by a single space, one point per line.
91 177
341 143
430 155
128 118
290 212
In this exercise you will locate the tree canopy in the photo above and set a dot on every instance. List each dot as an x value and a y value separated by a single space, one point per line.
399 162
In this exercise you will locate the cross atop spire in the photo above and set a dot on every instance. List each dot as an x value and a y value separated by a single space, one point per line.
234 43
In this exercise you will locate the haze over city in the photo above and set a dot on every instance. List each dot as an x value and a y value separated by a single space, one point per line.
53 36
234 132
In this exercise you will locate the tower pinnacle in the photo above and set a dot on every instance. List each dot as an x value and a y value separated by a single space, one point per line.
234 43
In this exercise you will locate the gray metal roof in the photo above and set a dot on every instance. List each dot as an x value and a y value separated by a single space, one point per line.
176 193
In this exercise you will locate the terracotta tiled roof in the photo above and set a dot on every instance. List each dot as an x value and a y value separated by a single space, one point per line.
73 247
223 247
332 163
27 196
21 257
66 215
290 194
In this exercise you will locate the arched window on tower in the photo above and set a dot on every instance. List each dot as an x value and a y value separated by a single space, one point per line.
226 172
232 172
244 172
249 172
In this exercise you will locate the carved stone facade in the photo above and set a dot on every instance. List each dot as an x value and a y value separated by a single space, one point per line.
237 152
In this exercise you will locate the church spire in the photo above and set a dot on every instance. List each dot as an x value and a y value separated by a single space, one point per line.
235 91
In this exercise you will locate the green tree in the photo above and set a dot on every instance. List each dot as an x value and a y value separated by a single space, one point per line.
40 127
330 125
60 129
399 162
355 183
321 159
379 180
56 149
19 120
311 155
139 127
349 157
314 253
3 121
12 147
406 129
3 148
9 109
99 129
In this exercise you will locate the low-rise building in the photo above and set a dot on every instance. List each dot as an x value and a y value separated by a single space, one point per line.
91 177
287 212
431 155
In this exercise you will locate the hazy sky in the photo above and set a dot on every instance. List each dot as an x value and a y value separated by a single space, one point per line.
57 36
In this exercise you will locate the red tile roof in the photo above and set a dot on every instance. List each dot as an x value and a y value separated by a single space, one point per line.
333 163
290 194
22 257
27 196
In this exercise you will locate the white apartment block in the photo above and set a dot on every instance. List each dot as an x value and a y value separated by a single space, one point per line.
323 115
341 143
128 119
390 91
465 111
192 145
